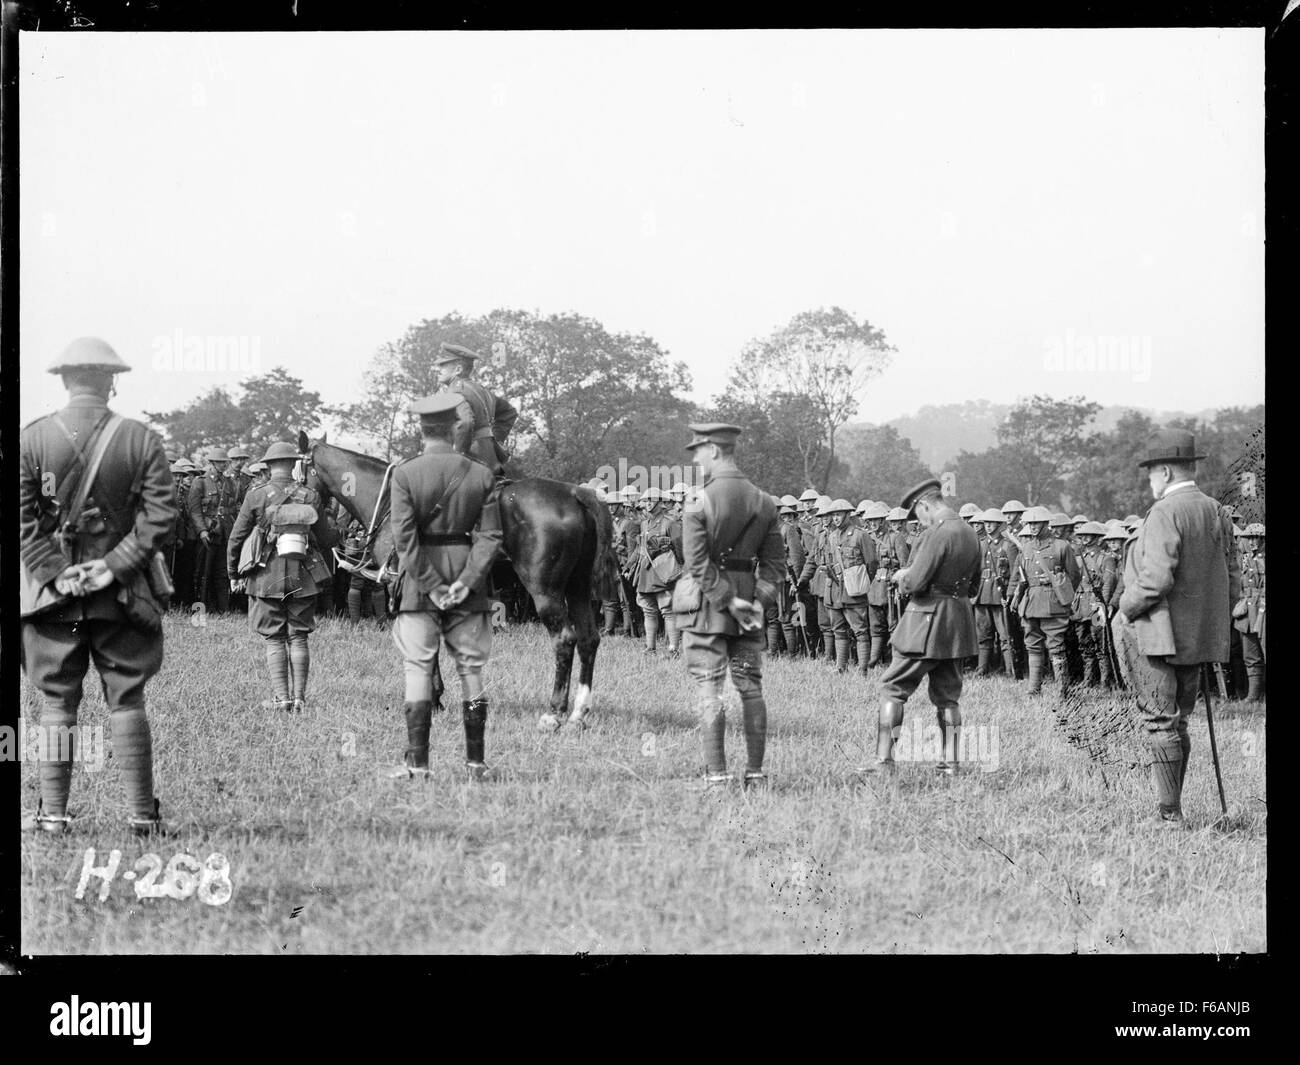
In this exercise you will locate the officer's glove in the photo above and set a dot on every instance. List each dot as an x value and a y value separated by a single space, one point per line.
204 536
69 582
454 596
898 576
1240 610
749 615
95 575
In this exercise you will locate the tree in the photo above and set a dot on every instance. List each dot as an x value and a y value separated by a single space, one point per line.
988 478
881 464
272 406
572 381
781 440
825 356
1109 484
1043 441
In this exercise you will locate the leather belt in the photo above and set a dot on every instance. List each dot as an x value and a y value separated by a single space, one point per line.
739 565
484 433
436 539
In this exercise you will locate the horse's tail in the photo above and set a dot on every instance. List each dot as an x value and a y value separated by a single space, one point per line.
604 531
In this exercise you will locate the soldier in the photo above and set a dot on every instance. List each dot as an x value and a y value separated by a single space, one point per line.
1090 554
184 537
258 474
999 557
806 516
658 536
1248 612
93 542
627 544
282 592
447 530
882 602
793 614
238 473
212 513
610 583
815 575
1181 576
852 563
1012 509
362 590
1043 594
936 630
482 438
969 513
733 550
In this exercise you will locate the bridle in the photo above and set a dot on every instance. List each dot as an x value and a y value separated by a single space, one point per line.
364 562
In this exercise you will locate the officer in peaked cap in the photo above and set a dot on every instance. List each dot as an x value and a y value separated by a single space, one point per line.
282 591
733 549
447 533
483 426
937 629
93 586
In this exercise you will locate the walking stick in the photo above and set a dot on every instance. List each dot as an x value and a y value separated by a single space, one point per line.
1214 747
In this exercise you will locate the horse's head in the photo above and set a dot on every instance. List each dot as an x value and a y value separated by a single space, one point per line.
311 478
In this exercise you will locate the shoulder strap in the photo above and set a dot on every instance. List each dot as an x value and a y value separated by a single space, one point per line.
92 470
452 485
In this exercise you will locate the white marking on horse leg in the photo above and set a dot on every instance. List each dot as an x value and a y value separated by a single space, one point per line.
548 722
581 704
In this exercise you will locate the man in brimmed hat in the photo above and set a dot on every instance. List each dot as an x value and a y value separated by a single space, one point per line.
447 534
482 434
282 590
212 511
733 550
89 558
1181 577
1248 612
1042 593
937 630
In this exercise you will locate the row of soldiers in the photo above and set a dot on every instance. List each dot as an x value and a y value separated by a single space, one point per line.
208 499
1050 584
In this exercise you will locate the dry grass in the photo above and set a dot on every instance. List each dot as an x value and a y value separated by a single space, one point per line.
597 842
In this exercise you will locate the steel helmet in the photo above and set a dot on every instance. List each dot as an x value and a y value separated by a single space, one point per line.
897 514
1255 528
678 491
840 505
88 353
969 510
992 515
216 454
280 451
239 451
875 510
787 500
630 493
1091 528
1013 506
1079 519
1035 514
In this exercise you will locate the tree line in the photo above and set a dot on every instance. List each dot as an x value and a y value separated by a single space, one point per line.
588 396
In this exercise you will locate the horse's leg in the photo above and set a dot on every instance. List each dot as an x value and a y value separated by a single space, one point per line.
554 613
588 636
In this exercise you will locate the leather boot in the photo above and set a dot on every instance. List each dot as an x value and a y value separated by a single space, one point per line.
611 622
950 740
1255 690
418 716
475 717
774 640
864 655
1104 670
888 726
1091 672
985 666
1035 673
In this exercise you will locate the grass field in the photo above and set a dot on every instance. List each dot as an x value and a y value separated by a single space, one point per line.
597 841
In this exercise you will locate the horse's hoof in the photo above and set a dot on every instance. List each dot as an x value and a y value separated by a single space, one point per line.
548 723
577 724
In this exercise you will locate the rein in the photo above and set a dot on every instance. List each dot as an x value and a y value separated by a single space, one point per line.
364 563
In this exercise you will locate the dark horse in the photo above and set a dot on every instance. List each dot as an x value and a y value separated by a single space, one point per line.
557 536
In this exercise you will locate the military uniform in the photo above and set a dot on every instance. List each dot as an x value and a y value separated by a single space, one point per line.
447 532
658 534
892 553
627 542
1088 601
847 548
1249 612
183 543
794 615
127 516
212 511
936 630
1046 581
1181 576
999 557
282 592
482 430
733 549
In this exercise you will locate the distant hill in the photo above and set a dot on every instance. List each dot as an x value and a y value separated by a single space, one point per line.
940 432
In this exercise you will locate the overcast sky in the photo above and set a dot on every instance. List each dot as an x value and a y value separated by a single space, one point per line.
999 203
